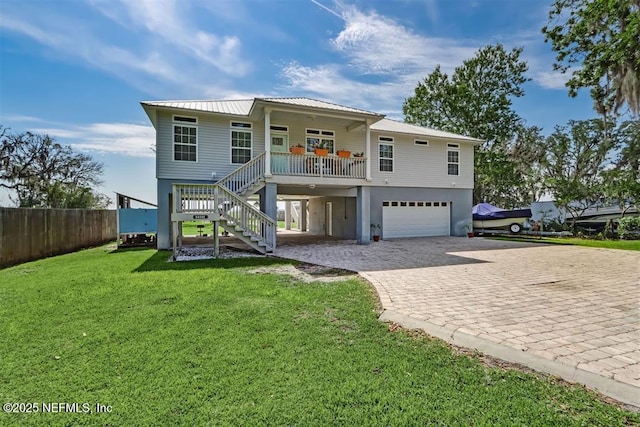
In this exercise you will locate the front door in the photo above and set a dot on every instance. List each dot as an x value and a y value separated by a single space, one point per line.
279 150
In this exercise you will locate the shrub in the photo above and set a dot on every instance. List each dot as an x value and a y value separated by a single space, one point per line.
629 227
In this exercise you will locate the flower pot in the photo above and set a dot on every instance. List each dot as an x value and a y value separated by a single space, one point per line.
344 153
297 150
376 238
322 152
470 234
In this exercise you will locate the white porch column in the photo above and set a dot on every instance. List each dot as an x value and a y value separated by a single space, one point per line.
267 142
287 215
368 151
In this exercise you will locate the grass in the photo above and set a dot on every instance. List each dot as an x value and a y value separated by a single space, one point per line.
207 343
629 245
190 228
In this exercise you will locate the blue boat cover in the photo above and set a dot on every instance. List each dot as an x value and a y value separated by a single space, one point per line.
486 212
485 209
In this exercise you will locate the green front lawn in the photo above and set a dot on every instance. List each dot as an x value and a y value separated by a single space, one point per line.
629 245
206 343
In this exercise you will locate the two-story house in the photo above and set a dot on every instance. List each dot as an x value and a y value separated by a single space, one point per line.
212 156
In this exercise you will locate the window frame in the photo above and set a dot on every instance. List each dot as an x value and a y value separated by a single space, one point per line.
245 127
453 148
321 135
190 123
390 142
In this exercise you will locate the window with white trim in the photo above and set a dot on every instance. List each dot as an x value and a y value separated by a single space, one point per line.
385 153
241 142
318 138
185 138
453 159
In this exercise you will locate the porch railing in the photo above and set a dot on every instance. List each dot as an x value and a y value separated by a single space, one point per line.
196 198
245 176
214 198
319 166
252 221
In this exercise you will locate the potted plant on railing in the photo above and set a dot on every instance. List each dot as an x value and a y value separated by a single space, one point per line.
343 153
376 235
358 154
321 149
297 149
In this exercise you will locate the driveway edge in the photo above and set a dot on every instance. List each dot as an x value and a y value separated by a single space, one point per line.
625 393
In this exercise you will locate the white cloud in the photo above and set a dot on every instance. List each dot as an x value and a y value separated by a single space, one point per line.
166 20
385 62
18 118
156 45
552 79
126 139
375 44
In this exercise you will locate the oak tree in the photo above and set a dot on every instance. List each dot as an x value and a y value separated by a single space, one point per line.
476 100
598 43
39 172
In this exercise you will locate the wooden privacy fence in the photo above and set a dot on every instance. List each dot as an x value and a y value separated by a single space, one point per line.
29 234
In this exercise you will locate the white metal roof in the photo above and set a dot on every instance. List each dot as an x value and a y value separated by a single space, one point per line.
387 125
243 107
239 107
314 103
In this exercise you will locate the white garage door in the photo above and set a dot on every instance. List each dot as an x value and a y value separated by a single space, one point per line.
415 219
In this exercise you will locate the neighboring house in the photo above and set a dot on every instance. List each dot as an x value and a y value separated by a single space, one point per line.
211 156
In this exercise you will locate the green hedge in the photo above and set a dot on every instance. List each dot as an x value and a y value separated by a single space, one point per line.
629 227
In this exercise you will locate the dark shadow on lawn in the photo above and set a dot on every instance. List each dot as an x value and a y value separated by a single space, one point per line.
159 261
131 249
397 254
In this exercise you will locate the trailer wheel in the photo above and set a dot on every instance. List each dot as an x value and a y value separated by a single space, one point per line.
515 228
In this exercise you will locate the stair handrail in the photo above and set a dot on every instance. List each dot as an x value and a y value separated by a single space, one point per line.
245 176
252 220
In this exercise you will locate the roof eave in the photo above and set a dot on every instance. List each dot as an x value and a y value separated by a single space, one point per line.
150 104
460 138
304 109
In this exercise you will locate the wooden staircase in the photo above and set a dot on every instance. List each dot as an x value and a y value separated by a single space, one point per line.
226 203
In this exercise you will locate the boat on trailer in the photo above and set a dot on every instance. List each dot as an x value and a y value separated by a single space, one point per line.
486 216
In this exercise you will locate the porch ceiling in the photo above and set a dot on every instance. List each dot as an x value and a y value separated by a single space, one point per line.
282 116
296 192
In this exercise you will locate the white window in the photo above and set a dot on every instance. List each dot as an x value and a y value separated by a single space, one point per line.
241 142
318 138
453 159
385 153
185 138
280 129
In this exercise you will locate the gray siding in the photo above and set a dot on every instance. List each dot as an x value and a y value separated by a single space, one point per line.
214 147
421 166
414 165
343 211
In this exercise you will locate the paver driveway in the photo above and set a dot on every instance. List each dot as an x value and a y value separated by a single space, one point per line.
567 310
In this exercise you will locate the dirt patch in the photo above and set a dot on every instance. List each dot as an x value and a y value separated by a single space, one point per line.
306 273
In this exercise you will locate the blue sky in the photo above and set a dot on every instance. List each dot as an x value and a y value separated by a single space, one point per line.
78 69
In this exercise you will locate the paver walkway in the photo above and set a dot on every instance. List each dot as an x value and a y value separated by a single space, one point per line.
566 310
